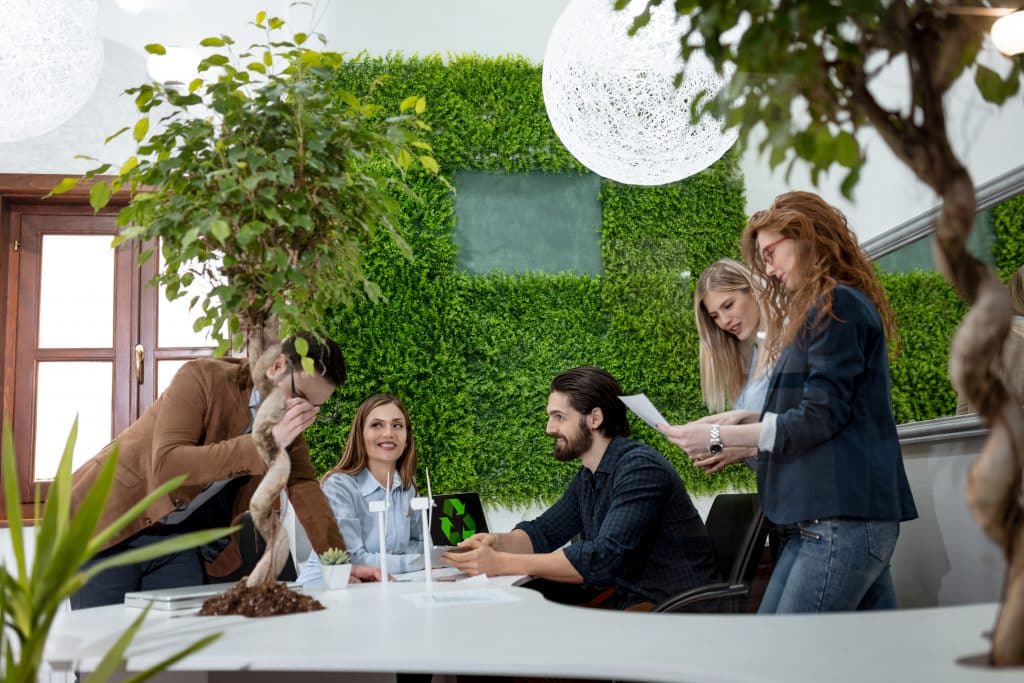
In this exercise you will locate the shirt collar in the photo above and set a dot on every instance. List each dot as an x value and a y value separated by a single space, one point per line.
611 455
368 485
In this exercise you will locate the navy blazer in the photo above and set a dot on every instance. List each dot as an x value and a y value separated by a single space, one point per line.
836 453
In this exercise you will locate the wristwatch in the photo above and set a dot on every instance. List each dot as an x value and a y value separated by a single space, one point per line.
715 444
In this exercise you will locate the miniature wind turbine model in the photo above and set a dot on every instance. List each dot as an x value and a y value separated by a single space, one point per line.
424 505
381 508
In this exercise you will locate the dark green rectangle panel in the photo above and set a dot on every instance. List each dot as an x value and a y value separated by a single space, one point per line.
548 222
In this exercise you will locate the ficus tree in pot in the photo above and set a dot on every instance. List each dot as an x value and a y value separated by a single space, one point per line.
259 178
827 57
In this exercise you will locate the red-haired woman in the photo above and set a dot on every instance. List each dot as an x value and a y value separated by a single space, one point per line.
830 471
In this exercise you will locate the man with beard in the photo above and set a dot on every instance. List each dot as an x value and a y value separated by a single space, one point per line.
642 539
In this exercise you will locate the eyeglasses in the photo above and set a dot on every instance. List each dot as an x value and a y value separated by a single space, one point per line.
334 416
768 253
299 394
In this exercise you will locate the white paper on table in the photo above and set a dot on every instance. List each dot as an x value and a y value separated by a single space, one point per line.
457 598
644 409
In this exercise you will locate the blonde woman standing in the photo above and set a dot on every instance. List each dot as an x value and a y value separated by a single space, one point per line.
735 360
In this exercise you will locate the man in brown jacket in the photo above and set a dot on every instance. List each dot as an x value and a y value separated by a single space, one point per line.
201 426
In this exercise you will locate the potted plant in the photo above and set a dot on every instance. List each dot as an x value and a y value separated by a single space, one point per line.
336 566
262 180
33 589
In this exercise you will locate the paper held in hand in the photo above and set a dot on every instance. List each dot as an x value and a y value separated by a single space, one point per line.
644 409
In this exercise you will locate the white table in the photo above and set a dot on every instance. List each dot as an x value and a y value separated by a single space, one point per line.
372 628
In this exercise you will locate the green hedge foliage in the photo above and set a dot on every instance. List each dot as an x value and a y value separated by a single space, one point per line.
473 356
1008 226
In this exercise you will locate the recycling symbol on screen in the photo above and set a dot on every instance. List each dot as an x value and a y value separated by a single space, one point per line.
456 524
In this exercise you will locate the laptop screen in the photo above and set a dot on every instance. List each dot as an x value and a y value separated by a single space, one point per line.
457 516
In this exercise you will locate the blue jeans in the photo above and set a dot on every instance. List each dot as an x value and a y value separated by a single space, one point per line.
833 565
183 568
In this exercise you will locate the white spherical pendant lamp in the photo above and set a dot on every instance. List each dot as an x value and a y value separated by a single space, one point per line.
51 55
612 100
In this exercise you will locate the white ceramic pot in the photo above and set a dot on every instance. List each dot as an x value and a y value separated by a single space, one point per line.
336 575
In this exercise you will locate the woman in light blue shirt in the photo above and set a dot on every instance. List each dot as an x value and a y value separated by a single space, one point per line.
735 363
380 448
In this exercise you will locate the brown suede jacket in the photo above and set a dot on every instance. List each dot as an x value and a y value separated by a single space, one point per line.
196 428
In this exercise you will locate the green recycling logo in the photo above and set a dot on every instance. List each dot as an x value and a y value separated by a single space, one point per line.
456 524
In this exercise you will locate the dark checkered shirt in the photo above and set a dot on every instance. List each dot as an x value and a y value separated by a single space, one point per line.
641 533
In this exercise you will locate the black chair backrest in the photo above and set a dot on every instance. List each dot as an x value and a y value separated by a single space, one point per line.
738 533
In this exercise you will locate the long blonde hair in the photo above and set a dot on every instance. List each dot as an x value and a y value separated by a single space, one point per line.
354 458
1016 286
827 255
724 359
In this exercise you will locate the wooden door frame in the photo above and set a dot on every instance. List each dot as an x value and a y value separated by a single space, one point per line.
25 188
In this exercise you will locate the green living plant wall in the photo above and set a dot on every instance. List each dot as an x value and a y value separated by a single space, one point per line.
473 356
1008 225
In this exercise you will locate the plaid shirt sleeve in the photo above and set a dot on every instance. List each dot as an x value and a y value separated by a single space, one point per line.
638 498
558 524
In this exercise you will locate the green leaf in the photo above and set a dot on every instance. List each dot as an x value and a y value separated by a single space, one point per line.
990 85
404 158
212 41
430 164
99 195
140 130
847 150
260 16
301 347
173 544
300 38
421 105
268 58
195 84
276 23
128 165
308 366
257 67
156 49
408 103
115 135
12 497
64 185
220 229
177 657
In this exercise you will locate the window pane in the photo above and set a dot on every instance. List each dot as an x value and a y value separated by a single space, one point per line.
76 296
66 389
174 319
546 222
165 370
918 254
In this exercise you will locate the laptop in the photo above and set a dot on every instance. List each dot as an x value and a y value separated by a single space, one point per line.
180 599
456 517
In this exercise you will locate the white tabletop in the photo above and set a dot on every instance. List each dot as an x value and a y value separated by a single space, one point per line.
374 628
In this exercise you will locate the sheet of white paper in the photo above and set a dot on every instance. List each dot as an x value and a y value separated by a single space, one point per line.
455 598
644 409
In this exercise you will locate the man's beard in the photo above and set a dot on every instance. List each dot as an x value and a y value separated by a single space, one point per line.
574 448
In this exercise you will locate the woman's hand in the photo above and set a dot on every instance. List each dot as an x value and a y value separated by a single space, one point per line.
715 463
693 437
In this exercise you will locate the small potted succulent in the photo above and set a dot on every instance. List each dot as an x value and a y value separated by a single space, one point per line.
336 567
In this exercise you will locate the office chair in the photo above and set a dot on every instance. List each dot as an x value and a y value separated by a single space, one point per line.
738 532
251 546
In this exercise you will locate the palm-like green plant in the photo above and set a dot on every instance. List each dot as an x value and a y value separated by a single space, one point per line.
32 591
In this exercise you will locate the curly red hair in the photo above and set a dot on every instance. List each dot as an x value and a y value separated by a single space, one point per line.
827 255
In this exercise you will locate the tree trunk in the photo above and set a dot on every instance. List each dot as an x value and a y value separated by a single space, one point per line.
263 347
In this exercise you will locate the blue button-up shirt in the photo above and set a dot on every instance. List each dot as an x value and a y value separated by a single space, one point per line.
641 533
349 497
